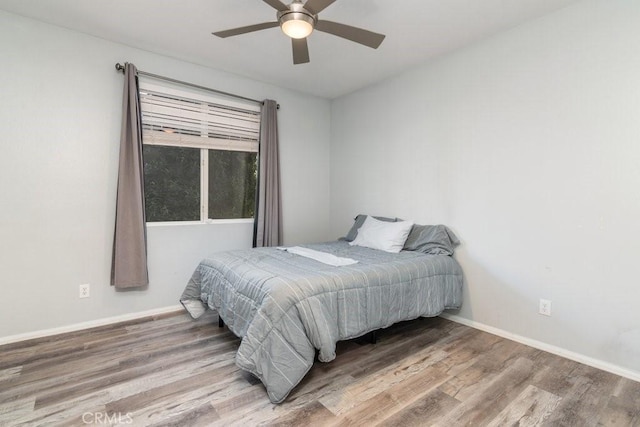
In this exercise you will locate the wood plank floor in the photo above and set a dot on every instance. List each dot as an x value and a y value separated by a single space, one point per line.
172 371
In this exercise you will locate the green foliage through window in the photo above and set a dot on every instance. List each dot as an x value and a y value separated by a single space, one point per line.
232 184
171 183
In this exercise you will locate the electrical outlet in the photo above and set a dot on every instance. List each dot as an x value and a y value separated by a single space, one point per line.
84 291
545 307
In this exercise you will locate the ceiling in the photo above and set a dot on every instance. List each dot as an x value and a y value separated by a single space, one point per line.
416 30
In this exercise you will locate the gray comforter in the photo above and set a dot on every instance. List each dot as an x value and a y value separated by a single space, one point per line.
284 306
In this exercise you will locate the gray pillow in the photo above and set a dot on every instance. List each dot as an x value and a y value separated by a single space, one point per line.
431 239
359 220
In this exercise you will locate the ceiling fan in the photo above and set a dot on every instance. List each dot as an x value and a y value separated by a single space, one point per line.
298 20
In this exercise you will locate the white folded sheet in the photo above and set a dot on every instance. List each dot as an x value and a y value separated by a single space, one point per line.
322 257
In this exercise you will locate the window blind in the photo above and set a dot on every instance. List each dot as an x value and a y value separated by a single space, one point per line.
180 119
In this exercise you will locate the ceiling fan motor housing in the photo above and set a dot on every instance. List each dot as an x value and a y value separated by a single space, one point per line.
297 13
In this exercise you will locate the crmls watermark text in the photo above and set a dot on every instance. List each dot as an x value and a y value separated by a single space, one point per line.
109 419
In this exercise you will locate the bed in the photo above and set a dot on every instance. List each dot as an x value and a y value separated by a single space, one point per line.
284 306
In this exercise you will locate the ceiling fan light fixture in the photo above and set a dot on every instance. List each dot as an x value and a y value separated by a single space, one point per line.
297 25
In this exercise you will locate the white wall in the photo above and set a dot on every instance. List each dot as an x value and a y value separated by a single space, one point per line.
60 107
528 146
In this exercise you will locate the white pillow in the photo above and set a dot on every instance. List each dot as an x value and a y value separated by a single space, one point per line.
382 235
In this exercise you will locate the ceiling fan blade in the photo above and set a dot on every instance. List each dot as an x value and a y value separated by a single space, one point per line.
300 51
277 5
317 6
358 35
247 29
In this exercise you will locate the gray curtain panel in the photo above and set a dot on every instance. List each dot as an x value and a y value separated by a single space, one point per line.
129 262
268 217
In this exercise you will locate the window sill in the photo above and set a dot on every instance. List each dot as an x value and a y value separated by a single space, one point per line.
207 222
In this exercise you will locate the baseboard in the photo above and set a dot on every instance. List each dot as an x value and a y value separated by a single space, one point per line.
559 351
90 324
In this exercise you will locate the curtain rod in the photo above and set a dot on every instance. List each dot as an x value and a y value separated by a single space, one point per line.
120 67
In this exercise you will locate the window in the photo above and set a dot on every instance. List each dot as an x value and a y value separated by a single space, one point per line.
200 155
